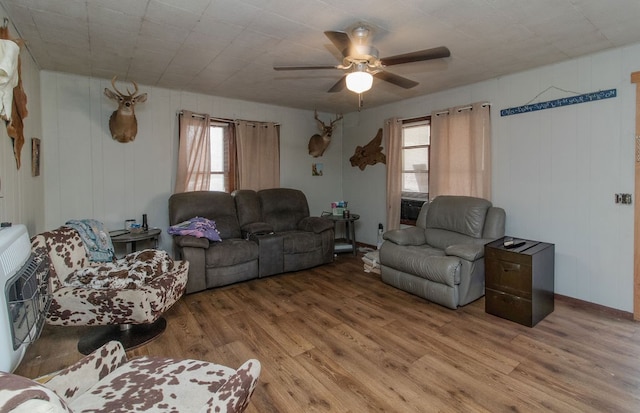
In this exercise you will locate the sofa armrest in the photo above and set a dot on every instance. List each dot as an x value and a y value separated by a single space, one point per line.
256 228
76 379
406 236
315 224
190 241
469 252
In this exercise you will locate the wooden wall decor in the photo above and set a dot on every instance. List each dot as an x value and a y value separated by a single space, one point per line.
370 154
15 125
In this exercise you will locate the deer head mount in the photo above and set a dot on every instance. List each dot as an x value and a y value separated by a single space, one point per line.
319 143
122 123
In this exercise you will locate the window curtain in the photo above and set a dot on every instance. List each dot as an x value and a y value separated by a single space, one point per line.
194 153
392 136
461 151
258 148
230 167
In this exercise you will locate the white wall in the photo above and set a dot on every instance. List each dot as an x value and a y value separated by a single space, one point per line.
554 171
89 175
21 195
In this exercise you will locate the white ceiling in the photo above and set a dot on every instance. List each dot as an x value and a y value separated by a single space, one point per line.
229 47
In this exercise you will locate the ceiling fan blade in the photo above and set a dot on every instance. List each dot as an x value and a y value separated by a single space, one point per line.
421 55
396 79
340 40
306 67
340 84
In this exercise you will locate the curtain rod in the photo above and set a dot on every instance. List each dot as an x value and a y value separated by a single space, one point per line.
446 112
215 119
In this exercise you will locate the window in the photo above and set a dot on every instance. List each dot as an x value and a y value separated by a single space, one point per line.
416 138
219 158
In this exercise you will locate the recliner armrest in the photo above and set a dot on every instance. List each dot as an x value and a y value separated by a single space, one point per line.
469 252
315 224
190 241
406 236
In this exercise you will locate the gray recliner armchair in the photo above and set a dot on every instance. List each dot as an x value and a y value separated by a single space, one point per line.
213 264
441 259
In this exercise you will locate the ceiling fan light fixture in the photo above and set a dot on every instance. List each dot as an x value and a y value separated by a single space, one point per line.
359 82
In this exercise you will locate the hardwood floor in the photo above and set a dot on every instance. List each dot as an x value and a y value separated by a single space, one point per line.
336 339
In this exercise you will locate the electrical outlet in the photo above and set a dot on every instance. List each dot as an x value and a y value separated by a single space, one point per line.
623 199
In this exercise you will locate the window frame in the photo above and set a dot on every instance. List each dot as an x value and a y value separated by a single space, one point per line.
223 127
413 122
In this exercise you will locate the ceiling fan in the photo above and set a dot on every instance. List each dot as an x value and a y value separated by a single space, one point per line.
361 61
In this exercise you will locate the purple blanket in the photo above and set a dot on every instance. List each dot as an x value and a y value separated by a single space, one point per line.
196 227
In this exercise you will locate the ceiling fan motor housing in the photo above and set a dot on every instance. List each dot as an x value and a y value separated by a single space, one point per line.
359 54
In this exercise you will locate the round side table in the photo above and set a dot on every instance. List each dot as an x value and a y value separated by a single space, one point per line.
349 244
131 238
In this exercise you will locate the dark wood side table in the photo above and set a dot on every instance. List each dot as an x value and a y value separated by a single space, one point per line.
349 243
130 239
519 282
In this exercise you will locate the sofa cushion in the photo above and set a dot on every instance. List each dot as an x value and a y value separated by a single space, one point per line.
214 205
296 242
247 205
133 271
230 252
283 208
464 215
442 238
411 259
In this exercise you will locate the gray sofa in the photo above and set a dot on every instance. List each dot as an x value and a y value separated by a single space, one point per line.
263 233
441 259
279 218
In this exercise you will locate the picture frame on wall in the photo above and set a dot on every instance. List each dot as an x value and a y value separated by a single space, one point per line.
35 157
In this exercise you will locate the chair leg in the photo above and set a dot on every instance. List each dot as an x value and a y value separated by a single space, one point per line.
130 335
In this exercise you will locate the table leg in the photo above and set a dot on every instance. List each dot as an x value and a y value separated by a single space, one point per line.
352 227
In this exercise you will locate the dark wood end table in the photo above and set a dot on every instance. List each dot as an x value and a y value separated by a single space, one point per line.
349 243
519 282
130 239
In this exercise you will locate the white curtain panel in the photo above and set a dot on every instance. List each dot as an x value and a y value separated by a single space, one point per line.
194 154
258 147
460 161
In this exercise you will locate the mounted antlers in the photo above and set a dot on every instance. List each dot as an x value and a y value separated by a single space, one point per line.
319 143
122 123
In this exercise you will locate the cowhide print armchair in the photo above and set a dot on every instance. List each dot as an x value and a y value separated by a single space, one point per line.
105 381
129 295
